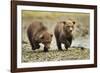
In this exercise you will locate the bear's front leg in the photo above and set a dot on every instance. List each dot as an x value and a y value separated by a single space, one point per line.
59 46
32 44
45 49
67 44
37 45
33 47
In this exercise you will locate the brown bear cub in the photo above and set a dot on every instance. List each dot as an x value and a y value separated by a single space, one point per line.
63 33
38 33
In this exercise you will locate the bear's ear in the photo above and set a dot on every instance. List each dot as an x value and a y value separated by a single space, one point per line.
43 28
51 35
74 22
63 22
41 36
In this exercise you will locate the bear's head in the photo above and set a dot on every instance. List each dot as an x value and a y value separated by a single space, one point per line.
46 39
68 25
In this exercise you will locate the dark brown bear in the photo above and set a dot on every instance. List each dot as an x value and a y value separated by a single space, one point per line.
37 33
63 33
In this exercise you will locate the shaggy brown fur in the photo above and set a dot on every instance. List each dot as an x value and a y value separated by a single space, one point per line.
38 33
63 33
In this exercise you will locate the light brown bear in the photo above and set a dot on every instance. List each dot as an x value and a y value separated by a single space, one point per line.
63 33
38 33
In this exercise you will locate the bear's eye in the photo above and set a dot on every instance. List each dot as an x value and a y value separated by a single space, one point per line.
72 26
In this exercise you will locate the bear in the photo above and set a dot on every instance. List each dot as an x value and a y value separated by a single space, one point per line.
63 33
38 33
